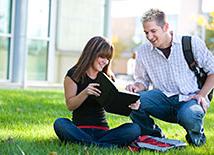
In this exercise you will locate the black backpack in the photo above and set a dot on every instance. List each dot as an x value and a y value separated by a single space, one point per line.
199 72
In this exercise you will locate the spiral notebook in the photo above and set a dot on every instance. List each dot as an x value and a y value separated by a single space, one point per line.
113 100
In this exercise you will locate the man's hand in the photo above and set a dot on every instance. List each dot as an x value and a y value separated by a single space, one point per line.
135 106
200 100
136 87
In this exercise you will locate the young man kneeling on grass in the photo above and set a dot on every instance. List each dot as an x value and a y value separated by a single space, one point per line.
176 97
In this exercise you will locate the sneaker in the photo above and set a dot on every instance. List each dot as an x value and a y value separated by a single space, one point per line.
196 139
157 132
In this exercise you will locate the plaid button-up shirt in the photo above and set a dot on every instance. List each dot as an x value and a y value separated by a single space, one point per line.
172 76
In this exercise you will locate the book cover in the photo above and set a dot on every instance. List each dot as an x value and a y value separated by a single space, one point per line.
113 100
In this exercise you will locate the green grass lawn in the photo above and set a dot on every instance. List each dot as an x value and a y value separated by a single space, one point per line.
26 127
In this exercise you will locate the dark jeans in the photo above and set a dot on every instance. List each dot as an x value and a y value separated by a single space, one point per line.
188 114
120 136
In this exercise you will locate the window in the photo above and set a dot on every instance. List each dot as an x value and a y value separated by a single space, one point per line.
5 38
77 22
38 39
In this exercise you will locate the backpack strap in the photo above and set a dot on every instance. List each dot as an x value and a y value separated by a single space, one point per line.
187 50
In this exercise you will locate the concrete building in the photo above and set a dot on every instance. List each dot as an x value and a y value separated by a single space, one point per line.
41 39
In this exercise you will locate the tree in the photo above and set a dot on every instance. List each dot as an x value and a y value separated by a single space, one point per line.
208 24
122 46
119 46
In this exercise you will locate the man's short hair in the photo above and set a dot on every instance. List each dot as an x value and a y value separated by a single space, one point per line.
154 15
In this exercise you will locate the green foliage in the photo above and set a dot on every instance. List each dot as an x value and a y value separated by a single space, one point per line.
210 32
210 39
26 127
208 24
121 46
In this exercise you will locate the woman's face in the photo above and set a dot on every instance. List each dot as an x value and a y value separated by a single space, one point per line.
100 63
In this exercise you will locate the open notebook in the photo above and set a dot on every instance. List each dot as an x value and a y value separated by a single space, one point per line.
113 100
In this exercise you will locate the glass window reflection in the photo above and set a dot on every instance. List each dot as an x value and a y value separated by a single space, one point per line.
38 18
38 39
5 16
37 60
4 57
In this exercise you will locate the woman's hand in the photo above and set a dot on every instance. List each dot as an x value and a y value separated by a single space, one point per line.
92 89
135 106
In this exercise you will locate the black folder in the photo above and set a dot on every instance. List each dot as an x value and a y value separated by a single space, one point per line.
113 100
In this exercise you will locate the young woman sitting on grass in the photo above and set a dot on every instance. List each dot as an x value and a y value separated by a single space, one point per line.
88 124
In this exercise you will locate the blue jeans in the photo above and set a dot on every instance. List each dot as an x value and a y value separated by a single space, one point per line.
120 136
188 114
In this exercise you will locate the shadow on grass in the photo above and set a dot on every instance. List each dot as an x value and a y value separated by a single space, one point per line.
31 107
54 146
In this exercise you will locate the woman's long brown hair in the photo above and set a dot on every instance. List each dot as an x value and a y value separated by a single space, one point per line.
95 47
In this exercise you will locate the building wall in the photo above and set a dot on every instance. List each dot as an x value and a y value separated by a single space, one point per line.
187 17
64 61
78 21
123 28
71 24
119 65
